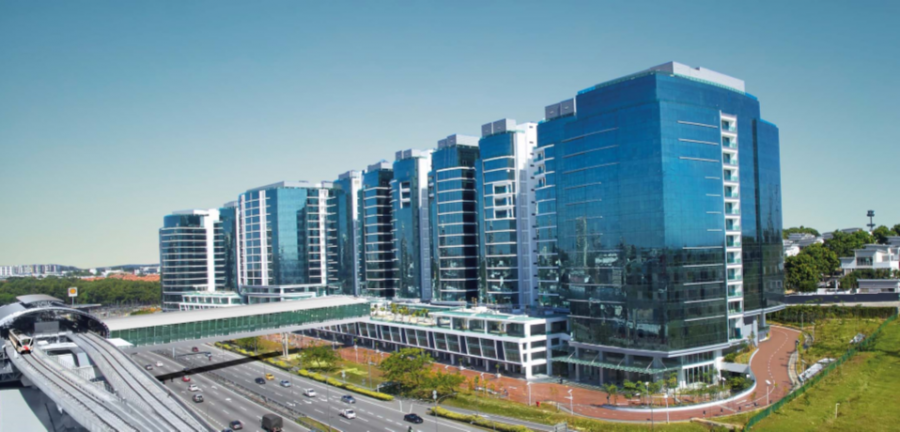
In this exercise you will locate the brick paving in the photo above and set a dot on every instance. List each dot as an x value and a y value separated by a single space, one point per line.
769 363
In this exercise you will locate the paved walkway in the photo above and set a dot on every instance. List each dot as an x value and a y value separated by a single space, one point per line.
769 363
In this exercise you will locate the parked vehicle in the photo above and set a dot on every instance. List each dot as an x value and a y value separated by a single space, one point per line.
413 418
272 423
348 414
348 399
309 392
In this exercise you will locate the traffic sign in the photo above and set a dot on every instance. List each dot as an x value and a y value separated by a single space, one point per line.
73 292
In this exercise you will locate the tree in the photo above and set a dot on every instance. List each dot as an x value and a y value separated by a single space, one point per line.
802 229
881 234
408 368
801 273
826 260
851 280
612 390
319 357
896 230
843 243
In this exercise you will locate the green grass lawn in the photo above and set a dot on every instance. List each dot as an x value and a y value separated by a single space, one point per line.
832 338
865 387
548 415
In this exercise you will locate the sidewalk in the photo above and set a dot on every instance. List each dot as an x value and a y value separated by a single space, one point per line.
769 363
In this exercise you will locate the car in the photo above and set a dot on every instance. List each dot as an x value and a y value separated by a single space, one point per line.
148 367
309 393
197 398
413 418
186 379
236 425
193 388
159 364
195 349
185 370
260 381
348 414
285 383
270 376
348 399
227 430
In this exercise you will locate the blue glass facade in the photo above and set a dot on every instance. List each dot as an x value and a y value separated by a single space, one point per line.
195 255
226 249
378 241
412 243
646 209
349 261
502 182
454 220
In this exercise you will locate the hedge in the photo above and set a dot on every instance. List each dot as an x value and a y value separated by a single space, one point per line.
477 420
307 374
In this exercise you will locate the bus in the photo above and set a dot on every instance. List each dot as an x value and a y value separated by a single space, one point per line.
21 343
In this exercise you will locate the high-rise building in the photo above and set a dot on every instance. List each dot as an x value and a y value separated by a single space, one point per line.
350 243
503 182
196 265
378 241
284 237
411 227
454 220
550 133
669 243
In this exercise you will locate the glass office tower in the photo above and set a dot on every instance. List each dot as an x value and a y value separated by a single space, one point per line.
454 220
284 238
380 277
412 242
668 242
503 181
349 261
550 133
196 266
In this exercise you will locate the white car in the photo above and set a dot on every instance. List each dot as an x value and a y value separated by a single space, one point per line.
309 393
348 414
193 388
159 364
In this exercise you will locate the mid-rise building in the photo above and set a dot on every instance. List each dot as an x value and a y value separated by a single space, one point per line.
284 238
454 220
410 225
196 255
350 242
874 257
503 181
668 200
380 277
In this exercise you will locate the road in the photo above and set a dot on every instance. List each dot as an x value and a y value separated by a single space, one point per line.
372 415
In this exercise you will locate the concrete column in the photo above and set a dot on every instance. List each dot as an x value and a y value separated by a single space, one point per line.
577 366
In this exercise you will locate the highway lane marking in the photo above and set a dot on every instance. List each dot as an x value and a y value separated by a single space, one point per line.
380 417
389 430
343 421
363 419
318 411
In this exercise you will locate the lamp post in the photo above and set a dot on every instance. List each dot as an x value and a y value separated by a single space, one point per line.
767 391
571 402
434 396
650 400
836 409
528 385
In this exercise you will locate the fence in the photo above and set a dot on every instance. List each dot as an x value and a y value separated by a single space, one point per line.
863 346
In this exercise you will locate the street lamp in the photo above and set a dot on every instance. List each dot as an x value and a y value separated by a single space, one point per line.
528 384
434 396
767 391
649 399
571 402
666 396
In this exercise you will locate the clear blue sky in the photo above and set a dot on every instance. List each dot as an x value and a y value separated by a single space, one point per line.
113 114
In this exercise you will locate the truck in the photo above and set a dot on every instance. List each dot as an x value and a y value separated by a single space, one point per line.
272 423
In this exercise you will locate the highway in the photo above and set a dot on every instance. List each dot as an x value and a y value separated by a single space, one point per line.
372 415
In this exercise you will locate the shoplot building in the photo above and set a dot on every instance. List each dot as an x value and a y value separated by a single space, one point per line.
645 212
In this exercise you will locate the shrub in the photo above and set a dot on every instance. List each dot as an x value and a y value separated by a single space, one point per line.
477 420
